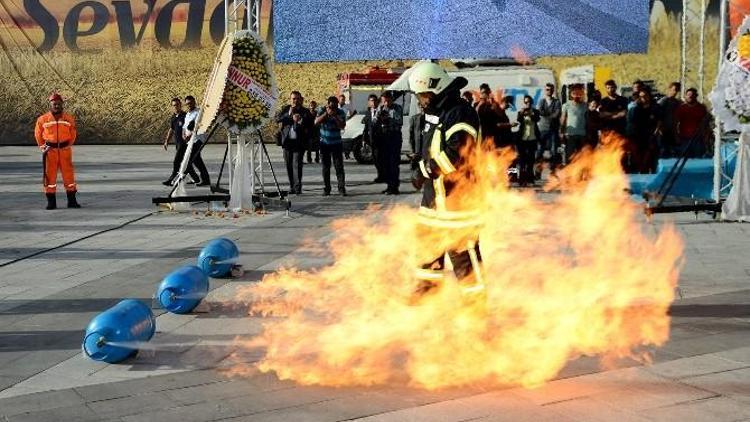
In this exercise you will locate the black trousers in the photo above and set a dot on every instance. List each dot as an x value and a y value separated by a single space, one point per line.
199 164
378 156
178 156
293 160
335 153
391 162
526 157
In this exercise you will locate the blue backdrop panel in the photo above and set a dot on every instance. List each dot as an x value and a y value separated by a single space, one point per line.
331 30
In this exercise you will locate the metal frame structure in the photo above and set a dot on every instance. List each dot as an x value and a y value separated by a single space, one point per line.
720 176
234 13
692 72
692 45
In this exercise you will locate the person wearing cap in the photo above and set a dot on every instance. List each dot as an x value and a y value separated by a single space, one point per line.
451 128
55 134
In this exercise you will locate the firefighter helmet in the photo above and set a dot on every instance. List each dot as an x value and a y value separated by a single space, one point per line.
428 77
424 76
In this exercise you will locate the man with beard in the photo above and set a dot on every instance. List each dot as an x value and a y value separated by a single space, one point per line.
451 127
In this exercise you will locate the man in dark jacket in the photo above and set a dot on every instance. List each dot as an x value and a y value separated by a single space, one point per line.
390 120
451 125
296 128
369 120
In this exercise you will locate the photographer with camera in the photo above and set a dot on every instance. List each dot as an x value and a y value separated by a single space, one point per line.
332 121
389 121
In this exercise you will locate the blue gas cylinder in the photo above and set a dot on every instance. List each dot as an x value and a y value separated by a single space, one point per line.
217 258
183 289
115 334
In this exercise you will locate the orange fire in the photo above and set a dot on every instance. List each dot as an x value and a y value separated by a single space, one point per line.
567 275
520 55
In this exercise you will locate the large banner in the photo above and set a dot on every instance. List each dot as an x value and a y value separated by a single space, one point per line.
429 29
80 25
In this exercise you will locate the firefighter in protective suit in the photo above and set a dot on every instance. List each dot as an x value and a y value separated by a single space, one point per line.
451 129
55 135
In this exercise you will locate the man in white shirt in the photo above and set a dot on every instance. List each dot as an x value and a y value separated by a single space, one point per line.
349 113
187 132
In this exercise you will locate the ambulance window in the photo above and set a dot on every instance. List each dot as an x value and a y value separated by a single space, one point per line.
358 100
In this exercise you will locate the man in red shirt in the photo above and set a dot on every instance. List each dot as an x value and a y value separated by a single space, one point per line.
691 120
55 134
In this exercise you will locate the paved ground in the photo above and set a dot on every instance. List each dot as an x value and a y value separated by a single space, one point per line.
59 269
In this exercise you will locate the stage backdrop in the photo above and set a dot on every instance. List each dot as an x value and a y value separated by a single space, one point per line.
366 29
84 25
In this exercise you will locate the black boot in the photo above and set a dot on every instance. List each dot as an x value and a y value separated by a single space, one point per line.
51 201
72 203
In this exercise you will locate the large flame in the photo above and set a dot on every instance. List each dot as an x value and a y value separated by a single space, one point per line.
567 275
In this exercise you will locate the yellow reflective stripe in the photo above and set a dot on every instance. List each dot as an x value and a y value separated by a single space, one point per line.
458 127
445 163
439 193
423 169
433 275
53 123
435 142
473 289
445 224
448 215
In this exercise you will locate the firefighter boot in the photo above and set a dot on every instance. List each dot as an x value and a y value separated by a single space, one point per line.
51 201
72 203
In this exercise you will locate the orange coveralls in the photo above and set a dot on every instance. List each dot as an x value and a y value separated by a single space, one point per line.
59 135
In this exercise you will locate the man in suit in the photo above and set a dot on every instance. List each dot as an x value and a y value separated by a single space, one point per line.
369 120
296 128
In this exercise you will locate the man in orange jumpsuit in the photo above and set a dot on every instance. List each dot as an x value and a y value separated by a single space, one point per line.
55 134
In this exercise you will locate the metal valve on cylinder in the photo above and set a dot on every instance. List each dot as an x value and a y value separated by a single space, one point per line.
219 258
183 289
115 334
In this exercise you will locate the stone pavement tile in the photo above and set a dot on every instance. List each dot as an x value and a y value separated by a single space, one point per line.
34 362
228 389
212 325
572 388
78 413
200 412
717 409
643 394
120 389
694 366
741 354
496 406
131 405
708 344
7 382
587 409
731 383
39 402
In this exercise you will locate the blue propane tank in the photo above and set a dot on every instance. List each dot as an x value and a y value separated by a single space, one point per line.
183 289
217 258
114 334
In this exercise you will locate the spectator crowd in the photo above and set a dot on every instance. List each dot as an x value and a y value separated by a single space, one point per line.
553 130
548 133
